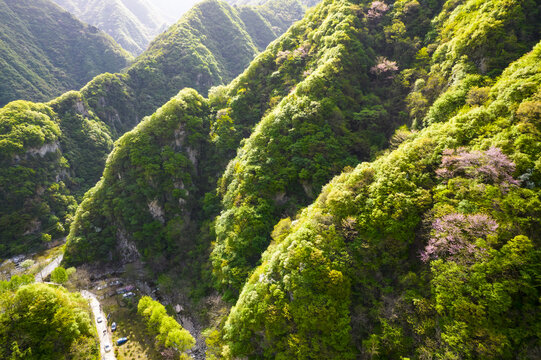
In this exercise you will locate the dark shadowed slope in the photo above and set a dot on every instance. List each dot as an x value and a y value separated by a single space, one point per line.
45 51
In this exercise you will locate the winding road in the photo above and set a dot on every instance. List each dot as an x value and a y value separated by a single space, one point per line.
103 332
47 270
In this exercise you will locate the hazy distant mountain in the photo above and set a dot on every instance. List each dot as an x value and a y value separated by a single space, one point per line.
132 23
45 51
307 3
173 9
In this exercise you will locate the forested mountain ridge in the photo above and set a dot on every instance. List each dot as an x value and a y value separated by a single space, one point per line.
376 52
396 255
132 23
58 150
46 159
210 45
308 3
44 51
269 79
270 20
427 249
203 49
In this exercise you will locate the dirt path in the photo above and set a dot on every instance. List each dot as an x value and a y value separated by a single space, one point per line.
103 332
47 270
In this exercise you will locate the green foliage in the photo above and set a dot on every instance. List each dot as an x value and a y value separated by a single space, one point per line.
489 35
15 282
28 263
85 142
79 127
59 275
148 190
41 58
326 101
346 276
45 159
474 37
39 321
474 303
35 200
208 46
367 224
169 333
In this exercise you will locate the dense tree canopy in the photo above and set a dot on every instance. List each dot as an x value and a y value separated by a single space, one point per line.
354 264
149 188
427 249
39 321
169 333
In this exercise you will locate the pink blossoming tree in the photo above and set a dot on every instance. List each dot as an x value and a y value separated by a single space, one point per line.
454 237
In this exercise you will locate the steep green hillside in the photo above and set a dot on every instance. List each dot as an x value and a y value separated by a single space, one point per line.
430 251
41 157
270 78
327 99
267 22
132 23
208 46
39 321
149 191
45 51
342 90
191 52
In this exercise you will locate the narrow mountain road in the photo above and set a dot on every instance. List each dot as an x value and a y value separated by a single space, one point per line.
47 270
103 332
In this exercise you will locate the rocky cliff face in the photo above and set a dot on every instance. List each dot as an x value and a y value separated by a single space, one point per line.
158 161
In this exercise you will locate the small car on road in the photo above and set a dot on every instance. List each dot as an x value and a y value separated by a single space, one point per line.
107 348
99 319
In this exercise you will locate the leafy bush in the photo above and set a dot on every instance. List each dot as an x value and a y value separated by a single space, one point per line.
40 321
168 331
59 275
